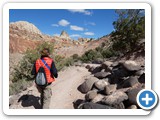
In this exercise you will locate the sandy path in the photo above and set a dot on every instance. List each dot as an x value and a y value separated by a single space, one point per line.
64 90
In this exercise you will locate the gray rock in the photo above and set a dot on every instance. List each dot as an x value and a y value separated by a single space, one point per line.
120 72
90 105
119 106
115 98
130 82
109 69
101 84
132 95
110 89
115 64
87 85
88 67
141 79
106 64
101 75
91 68
91 95
139 73
95 70
103 70
131 65
77 103
98 98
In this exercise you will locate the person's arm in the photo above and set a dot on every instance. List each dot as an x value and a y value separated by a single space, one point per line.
54 70
33 72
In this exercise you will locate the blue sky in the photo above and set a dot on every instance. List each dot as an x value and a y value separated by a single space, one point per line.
85 23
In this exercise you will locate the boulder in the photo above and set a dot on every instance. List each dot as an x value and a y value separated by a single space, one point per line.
131 65
88 67
110 89
130 82
91 95
120 72
98 98
77 103
115 98
101 75
106 65
115 64
101 84
109 69
141 79
90 105
119 106
91 68
139 73
132 95
95 70
103 70
87 85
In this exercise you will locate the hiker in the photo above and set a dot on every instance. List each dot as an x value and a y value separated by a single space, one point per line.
47 67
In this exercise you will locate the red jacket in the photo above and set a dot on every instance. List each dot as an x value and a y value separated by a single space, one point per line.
39 64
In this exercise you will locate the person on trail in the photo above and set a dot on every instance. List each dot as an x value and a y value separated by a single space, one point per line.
49 72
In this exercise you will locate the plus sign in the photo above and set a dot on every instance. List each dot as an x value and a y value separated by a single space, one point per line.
147 99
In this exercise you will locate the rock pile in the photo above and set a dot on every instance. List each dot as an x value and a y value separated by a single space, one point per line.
112 85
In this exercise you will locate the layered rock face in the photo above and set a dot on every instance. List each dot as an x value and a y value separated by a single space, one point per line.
24 35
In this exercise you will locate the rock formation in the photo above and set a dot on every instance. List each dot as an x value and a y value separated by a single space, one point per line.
25 26
64 35
114 85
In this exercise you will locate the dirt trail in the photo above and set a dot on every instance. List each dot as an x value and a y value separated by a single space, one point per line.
64 90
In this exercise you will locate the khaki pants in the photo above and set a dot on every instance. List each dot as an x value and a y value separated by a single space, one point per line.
46 94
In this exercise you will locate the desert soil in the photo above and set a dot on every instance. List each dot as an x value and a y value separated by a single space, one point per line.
64 90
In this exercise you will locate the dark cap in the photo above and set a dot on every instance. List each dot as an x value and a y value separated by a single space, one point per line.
45 52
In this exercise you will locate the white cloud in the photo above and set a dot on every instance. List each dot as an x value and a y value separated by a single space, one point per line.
55 25
75 35
63 22
86 12
89 33
77 28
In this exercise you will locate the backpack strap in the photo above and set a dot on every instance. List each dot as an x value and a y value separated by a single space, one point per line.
46 64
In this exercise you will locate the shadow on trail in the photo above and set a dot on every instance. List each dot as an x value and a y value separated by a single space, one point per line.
30 100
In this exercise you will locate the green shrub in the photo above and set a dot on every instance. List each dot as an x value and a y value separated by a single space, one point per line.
129 30
19 86
75 56
22 72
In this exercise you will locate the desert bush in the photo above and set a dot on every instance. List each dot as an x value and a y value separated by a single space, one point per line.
19 86
75 56
22 72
